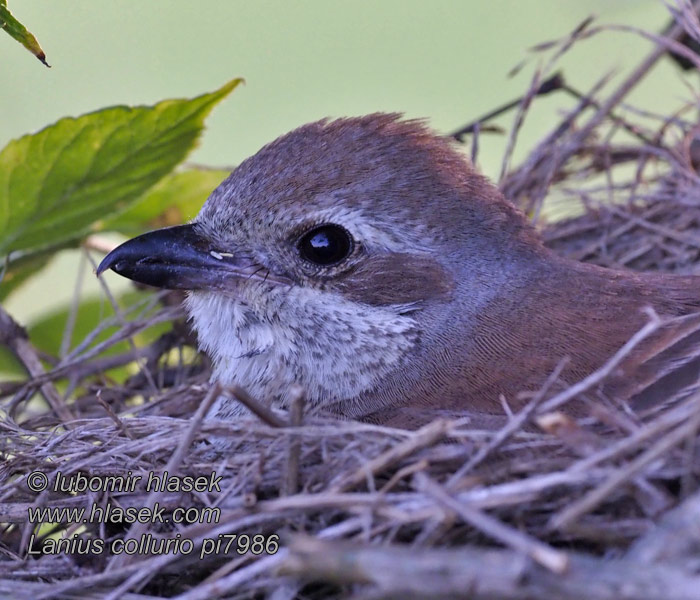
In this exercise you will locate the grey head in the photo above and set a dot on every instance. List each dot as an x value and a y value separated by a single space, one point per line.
351 256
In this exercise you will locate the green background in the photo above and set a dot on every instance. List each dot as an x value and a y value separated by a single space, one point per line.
445 60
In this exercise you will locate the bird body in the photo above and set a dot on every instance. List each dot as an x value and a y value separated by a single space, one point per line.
366 260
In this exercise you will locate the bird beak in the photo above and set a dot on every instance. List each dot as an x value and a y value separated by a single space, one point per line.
180 258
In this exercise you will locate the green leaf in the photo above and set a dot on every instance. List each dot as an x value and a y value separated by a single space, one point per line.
20 33
175 199
56 183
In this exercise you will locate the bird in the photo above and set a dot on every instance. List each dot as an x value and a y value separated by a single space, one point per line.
367 260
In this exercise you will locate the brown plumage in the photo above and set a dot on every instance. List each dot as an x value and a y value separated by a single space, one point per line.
368 261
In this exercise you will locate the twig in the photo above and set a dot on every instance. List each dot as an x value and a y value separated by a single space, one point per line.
257 408
290 482
548 557
122 321
674 538
625 88
664 422
510 427
565 518
233 582
476 573
110 413
520 114
99 243
552 84
137 529
15 337
425 436
74 305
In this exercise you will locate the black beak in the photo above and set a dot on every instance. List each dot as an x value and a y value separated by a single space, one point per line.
180 258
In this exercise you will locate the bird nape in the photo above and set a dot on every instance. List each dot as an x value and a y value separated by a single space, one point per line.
366 260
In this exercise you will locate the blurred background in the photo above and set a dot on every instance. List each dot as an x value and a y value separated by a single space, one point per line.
448 61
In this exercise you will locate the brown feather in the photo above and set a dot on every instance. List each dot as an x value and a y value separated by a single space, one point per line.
397 278
572 310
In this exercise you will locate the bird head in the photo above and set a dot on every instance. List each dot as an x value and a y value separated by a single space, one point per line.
334 255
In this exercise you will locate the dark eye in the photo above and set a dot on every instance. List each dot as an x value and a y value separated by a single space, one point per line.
325 245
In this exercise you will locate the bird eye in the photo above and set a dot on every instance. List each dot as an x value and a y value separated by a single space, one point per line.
325 245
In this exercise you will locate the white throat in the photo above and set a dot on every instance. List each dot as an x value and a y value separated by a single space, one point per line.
334 348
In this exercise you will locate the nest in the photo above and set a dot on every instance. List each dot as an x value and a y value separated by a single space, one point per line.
606 506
